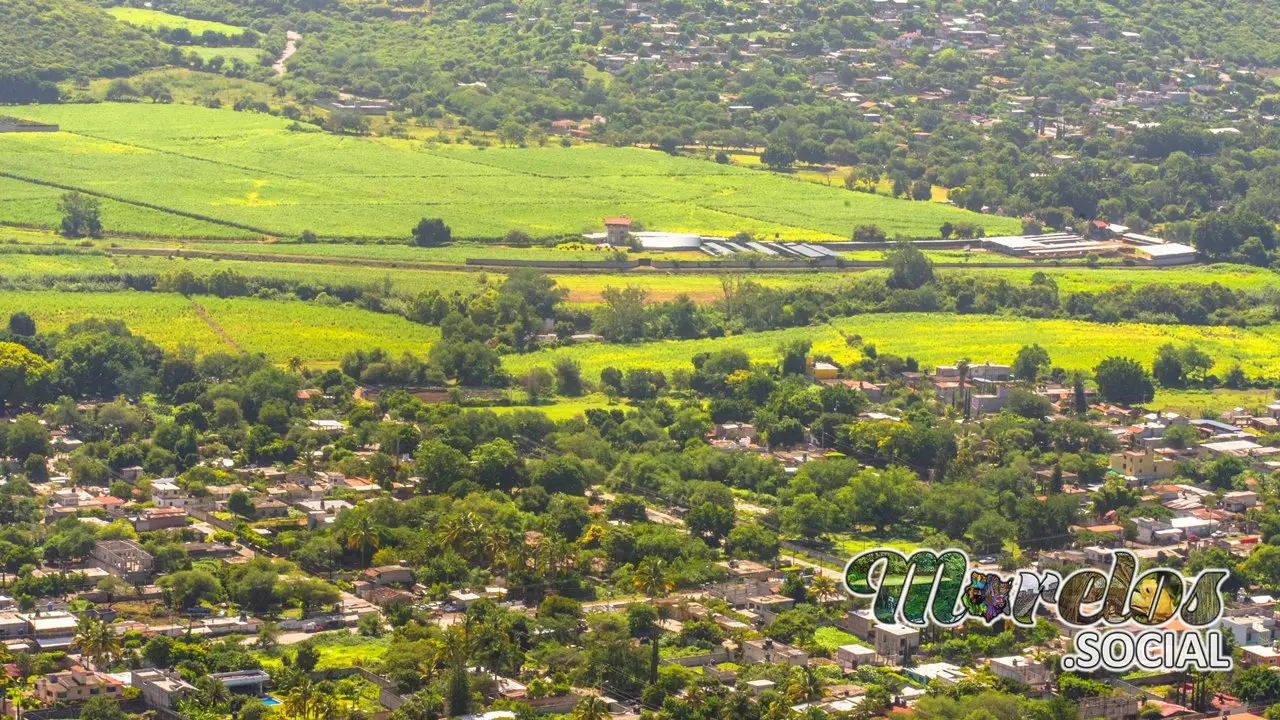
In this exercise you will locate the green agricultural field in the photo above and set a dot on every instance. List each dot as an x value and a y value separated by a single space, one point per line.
361 250
1083 279
153 19
168 320
935 339
15 265
318 334
404 281
251 170
702 287
26 203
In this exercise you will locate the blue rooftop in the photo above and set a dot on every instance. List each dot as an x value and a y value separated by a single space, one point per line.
1219 428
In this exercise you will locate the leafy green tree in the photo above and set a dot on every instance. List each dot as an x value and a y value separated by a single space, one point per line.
188 588
347 123
710 521
1167 366
1256 684
560 474
568 374
990 531
908 266
496 464
880 497
1030 362
622 316
431 232
439 466
26 437
102 708
21 324
752 541
81 215
22 374
807 516
306 656
869 233
778 157
240 504
1123 380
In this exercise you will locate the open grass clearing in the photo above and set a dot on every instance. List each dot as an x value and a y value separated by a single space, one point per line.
1199 403
148 19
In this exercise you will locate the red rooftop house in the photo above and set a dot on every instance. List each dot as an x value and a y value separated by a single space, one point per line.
617 230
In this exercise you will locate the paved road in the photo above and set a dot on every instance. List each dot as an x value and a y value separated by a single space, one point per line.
820 569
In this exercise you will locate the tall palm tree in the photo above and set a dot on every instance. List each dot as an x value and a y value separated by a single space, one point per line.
456 652
591 707
737 706
651 579
294 363
962 367
304 700
365 535
822 587
495 546
96 641
268 635
811 683
557 552
464 532
16 694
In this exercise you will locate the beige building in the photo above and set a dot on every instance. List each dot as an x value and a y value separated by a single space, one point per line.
1022 669
766 650
75 685
896 643
852 657
161 688
1145 464
1259 655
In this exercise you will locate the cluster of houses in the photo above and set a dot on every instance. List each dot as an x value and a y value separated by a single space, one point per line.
983 389
867 76
751 596
157 690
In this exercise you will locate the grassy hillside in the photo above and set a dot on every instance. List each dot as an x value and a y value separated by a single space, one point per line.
153 19
250 170
56 39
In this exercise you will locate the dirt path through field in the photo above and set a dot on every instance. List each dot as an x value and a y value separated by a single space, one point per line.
215 327
290 47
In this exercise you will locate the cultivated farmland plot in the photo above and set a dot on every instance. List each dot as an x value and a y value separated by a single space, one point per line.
248 170
934 338
318 334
